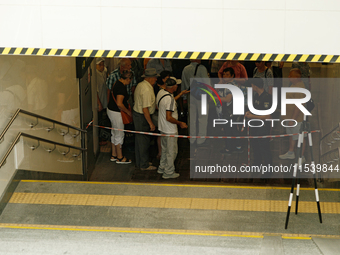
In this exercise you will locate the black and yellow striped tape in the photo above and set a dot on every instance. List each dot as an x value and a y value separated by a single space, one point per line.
171 54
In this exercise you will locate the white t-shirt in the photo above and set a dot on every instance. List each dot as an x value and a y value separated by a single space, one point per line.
167 103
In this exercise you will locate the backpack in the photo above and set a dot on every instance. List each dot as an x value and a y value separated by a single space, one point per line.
310 105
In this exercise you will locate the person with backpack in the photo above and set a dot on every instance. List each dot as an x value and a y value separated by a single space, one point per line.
225 111
167 124
195 70
262 71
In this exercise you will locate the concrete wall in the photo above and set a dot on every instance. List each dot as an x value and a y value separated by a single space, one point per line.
46 86
248 26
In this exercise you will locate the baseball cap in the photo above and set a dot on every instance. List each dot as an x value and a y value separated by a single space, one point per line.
172 81
99 60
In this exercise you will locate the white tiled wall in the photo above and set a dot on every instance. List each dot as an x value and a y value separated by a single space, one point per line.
74 27
254 5
131 3
24 29
194 33
131 28
312 32
253 30
193 4
313 5
262 26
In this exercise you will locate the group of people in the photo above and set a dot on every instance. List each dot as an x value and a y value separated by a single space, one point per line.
151 100
262 100
153 107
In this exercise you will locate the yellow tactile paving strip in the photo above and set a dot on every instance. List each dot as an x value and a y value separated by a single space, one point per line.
171 202
163 231
175 185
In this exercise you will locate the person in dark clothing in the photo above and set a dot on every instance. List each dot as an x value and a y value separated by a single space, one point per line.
231 145
118 101
262 101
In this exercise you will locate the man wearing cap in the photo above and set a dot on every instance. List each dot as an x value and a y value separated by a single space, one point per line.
144 107
167 124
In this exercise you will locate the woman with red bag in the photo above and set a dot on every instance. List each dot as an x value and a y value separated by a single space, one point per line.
117 106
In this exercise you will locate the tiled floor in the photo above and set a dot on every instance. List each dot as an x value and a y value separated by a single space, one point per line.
231 210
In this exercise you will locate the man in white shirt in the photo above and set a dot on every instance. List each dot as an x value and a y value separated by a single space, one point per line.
143 109
167 124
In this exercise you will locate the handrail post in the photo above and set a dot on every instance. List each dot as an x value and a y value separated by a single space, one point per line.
2 135
3 161
84 155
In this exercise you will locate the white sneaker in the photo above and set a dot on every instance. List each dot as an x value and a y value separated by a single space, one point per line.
287 155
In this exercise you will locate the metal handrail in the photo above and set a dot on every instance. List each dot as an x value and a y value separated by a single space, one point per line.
38 117
334 151
36 138
322 138
330 132
321 154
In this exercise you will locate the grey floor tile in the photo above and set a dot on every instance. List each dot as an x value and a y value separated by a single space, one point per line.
301 247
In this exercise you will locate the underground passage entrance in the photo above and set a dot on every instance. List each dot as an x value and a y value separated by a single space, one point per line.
58 100
122 194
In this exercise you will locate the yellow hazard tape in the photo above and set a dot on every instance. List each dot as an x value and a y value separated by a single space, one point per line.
170 54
